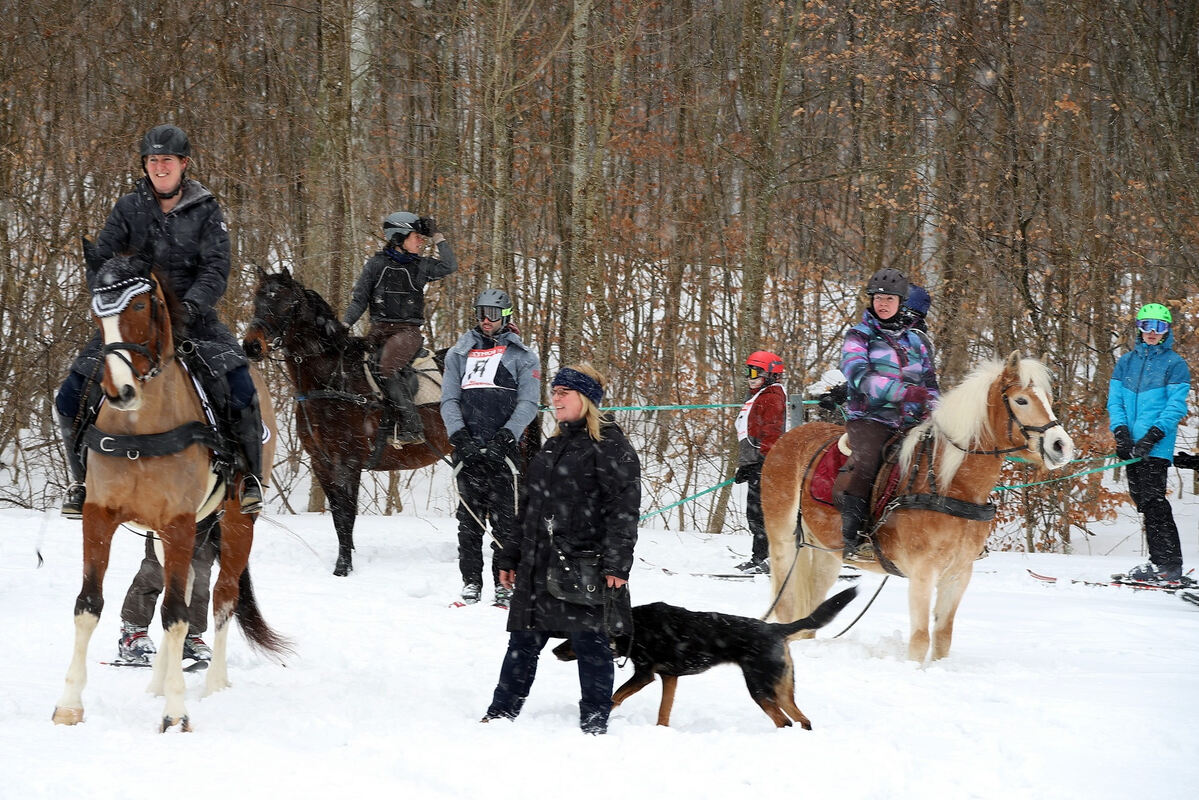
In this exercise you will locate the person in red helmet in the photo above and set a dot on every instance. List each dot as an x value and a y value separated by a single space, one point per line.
759 425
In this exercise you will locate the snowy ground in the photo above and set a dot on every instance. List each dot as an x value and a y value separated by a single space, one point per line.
1050 691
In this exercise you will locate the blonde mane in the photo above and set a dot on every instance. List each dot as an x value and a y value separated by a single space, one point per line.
961 417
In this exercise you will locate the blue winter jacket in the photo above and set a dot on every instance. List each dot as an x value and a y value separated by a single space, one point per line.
1149 389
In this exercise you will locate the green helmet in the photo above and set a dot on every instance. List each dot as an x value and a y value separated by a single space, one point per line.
1155 311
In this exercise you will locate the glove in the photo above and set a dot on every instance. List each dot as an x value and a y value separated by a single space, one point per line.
1145 443
916 394
1123 442
747 472
465 448
190 313
425 226
1186 460
331 328
501 446
834 397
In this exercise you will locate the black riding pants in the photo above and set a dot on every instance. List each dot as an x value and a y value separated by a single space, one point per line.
143 593
596 674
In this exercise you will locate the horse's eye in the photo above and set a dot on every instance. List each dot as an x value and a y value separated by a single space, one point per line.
139 306
1021 401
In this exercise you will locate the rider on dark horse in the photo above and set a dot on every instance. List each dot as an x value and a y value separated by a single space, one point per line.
177 222
392 285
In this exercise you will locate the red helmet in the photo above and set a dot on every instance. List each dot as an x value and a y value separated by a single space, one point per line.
764 361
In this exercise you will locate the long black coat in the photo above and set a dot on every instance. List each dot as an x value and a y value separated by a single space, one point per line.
592 493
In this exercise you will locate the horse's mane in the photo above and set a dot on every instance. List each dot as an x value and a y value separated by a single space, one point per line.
961 417
317 311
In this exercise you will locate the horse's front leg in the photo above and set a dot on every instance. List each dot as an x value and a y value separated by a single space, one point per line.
98 527
178 542
342 493
949 595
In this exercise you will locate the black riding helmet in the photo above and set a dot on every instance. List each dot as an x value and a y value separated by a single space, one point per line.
888 281
166 140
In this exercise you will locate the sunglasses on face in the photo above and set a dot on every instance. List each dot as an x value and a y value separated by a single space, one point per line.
492 313
1153 325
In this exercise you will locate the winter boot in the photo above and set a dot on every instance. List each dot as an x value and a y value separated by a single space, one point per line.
471 592
401 390
1151 573
76 493
247 427
755 566
135 645
853 520
195 649
503 597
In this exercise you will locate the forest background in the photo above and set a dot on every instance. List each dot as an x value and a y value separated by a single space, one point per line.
662 187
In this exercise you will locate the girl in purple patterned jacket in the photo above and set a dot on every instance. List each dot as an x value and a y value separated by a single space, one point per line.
891 382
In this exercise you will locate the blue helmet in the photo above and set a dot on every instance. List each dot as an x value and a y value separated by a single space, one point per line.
918 300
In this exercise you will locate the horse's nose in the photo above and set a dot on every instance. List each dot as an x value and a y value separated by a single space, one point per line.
128 393
252 348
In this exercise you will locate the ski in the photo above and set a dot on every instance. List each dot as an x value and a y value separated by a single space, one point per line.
720 576
190 665
1190 596
1123 580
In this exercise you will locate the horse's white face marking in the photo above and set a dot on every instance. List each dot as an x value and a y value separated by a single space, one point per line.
1057 448
118 371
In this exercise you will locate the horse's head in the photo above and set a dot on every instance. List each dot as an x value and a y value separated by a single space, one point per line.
287 314
1023 413
129 306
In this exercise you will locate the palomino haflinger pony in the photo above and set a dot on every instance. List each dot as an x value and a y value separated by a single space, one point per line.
150 464
933 520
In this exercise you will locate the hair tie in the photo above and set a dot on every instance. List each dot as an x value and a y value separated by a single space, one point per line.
582 383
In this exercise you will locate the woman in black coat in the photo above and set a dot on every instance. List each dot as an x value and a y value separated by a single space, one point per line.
581 499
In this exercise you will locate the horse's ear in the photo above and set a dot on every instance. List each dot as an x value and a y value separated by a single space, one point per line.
260 272
286 273
90 255
1013 361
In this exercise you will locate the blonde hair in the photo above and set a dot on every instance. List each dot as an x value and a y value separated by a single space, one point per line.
591 413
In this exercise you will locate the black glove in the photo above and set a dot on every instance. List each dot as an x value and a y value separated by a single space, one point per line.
1145 443
1123 442
189 313
501 446
747 472
1186 460
465 448
331 328
425 226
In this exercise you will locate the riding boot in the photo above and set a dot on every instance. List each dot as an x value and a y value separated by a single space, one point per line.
853 520
247 427
76 493
401 390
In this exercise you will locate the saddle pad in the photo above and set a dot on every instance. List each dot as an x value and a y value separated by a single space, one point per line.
827 467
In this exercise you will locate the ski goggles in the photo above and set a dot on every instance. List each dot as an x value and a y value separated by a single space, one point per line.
754 372
493 313
1153 325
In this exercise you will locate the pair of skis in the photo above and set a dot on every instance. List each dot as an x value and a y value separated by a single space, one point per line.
1186 583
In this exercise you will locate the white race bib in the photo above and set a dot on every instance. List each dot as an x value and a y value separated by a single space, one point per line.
481 366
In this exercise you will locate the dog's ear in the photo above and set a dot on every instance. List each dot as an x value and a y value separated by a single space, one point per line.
565 651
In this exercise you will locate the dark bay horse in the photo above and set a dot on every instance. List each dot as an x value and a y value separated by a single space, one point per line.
341 418
151 466
939 522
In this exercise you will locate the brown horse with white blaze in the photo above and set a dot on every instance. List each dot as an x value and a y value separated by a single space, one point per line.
150 465
937 526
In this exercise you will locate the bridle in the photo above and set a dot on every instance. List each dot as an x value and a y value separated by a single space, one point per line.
277 333
150 349
1012 422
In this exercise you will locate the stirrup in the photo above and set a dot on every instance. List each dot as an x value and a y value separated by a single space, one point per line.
73 499
249 495
400 439
862 552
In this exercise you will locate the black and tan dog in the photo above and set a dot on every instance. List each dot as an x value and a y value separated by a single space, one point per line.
672 641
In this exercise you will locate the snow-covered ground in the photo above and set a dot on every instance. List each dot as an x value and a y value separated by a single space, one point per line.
1050 691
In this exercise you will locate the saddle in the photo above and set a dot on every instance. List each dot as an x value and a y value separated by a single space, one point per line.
426 378
832 457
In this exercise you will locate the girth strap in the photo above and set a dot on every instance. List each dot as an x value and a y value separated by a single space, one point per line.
984 512
152 444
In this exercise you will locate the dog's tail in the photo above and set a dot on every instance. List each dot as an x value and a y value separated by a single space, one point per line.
822 616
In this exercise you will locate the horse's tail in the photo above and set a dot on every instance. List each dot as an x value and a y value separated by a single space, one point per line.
821 616
260 635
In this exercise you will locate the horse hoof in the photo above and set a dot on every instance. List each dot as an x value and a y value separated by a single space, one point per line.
67 716
183 722
343 568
